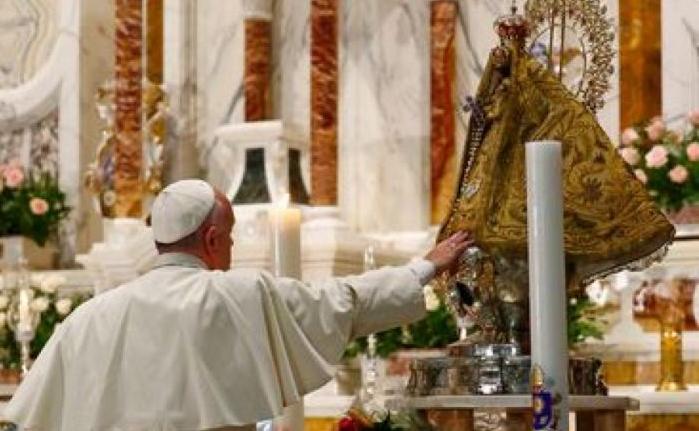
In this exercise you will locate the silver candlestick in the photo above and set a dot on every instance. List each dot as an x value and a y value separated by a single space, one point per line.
371 375
22 319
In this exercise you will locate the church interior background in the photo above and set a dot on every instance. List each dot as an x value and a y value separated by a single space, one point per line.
346 111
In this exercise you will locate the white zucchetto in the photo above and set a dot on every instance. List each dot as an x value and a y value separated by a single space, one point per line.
180 209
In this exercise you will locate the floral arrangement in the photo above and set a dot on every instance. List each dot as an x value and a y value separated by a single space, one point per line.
45 300
31 205
666 161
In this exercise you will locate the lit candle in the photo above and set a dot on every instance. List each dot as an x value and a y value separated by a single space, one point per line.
285 251
24 311
285 235
547 287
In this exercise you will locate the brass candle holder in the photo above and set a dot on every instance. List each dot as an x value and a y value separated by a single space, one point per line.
671 318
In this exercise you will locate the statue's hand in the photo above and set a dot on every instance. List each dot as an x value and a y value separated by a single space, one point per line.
445 255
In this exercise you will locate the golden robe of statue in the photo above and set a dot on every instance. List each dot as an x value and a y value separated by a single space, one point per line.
610 220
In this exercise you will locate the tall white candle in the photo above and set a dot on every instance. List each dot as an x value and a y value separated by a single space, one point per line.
547 286
285 235
285 251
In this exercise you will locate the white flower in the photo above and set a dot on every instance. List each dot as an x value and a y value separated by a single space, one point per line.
63 306
630 155
51 283
40 304
3 319
629 136
4 301
431 298
657 157
641 175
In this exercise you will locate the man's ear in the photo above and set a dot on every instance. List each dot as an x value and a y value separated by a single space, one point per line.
210 238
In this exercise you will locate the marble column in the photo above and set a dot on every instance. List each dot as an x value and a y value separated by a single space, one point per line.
180 77
442 106
680 31
384 124
640 59
128 76
258 59
324 108
96 58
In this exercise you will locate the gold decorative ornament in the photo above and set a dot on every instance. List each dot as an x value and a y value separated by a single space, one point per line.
575 40
99 177
671 317
154 132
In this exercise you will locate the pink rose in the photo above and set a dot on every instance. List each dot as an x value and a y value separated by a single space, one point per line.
655 129
38 206
678 174
630 155
629 136
13 176
641 175
693 151
656 157
693 117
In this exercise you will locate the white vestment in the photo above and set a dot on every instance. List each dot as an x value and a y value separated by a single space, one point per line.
183 348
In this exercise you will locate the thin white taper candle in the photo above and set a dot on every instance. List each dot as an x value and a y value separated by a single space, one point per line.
547 279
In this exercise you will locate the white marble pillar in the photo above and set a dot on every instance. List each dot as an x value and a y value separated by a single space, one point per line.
384 115
180 77
220 63
680 51
291 62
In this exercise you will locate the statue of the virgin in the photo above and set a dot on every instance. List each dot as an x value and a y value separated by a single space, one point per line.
610 221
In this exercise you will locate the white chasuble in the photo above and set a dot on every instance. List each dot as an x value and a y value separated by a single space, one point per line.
183 348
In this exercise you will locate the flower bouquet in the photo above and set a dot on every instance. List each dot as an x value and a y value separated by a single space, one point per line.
666 161
46 301
31 204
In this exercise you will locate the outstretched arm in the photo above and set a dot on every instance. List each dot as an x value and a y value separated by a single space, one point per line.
333 312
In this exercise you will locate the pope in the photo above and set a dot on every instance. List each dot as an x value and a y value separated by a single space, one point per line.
192 345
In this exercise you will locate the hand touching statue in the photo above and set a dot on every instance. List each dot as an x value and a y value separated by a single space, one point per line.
445 255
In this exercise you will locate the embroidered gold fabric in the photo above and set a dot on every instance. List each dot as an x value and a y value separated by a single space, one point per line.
610 220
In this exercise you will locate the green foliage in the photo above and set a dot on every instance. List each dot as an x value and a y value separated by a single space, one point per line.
582 320
436 330
16 214
9 349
